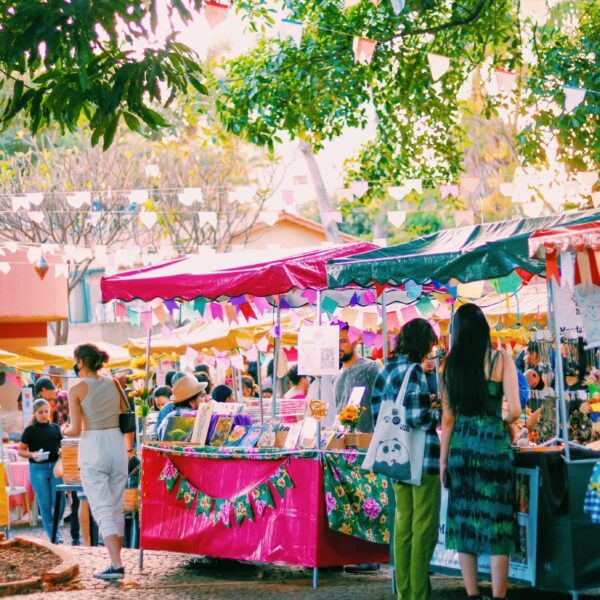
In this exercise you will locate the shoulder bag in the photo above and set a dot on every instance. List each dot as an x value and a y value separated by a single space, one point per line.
127 417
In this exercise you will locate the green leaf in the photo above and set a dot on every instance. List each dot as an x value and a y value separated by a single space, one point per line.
132 121
199 86
111 129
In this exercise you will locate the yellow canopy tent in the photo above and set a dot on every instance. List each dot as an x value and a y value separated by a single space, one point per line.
21 362
62 356
215 335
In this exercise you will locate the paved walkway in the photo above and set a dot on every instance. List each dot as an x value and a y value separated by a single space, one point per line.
181 577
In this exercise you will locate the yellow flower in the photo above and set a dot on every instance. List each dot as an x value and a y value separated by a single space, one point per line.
345 528
384 483
383 519
371 477
339 490
356 507
359 494
386 536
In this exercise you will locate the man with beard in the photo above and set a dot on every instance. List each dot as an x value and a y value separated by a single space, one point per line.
356 372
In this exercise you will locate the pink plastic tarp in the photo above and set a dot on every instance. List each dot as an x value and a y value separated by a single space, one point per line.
193 276
295 532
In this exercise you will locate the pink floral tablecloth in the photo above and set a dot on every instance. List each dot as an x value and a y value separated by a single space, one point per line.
20 476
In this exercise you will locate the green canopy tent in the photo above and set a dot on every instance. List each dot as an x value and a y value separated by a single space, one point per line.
467 253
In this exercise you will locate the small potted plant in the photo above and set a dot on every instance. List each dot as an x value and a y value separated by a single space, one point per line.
349 418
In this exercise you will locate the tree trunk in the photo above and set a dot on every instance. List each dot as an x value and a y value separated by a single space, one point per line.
323 201
61 333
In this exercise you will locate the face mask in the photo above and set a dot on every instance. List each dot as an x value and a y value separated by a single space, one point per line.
76 368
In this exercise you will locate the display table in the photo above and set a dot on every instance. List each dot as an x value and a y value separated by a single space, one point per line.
20 476
266 506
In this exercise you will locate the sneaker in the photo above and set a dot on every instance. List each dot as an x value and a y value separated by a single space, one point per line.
111 573
363 568
76 542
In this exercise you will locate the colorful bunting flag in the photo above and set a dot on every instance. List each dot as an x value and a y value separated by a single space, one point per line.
354 334
398 192
252 353
37 216
138 197
223 511
331 216
263 344
359 188
237 361
77 199
344 194
204 504
573 97
281 481
414 290
148 218
216 310
4 267
396 217
215 13
469 184
133 317
288 197
247 311
242 509
268 217
262 498
409 313
329 305
146 319
120 311
449 189
41 267
200 304
368 338
536 10
35 198
425 307
208 218
363 50
187 492
398 6
61 270
190 195
464 218
506 80
438 65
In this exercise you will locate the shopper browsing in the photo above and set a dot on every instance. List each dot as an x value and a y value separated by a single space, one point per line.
476 462
40 444
94 406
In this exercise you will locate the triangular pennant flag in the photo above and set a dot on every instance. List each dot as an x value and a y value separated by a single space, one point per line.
216 310
230 313
414 290
396 217
376 3
399 192
414 184
34 254
148 218
354 334
291 29
208 218
263 344
281 481
138 197
37 216
261 304
242 509
351 3
469 184
359 188
329 305
449 189
368 338
573 97
425 307
200 304
596 199
78 199
187 492
223 511
262 498
269 217
133 317
215 13
94 217
190 195
363 50
237 361
587 179
398 6
438 65
204 504
379 289
19 203
161 313
4 267
247 311
506 80
120 311
536 10
146 319
169 475
331 216
251 354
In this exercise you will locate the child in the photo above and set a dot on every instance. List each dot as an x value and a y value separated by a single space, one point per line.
40 443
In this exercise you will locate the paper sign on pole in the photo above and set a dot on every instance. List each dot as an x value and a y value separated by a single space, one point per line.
27 404
318 350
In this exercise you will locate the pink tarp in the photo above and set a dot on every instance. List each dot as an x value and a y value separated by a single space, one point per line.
190 277
295 532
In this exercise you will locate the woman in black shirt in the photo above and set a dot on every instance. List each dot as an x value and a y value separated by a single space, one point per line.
40 443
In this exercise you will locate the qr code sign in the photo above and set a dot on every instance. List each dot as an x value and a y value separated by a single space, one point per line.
328 358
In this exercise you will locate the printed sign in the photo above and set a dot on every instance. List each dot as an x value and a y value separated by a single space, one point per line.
588 300
27 403
318 350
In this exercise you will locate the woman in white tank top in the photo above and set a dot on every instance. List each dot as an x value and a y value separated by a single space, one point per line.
94 407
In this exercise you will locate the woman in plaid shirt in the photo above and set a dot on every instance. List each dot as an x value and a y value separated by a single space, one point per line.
417 506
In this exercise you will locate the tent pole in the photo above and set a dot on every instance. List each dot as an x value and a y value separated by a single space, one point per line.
319 316
561 405
277 344
384 326
260 390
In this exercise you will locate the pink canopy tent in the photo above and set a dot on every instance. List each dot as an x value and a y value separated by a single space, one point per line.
193 276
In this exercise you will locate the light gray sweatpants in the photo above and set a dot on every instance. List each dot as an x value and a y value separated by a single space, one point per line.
103 467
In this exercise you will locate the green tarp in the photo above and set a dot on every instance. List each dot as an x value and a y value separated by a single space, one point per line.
466 253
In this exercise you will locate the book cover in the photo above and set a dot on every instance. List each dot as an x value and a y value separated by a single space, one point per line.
251 437
267 437
179 428
291 442
222 431
237 435
202 424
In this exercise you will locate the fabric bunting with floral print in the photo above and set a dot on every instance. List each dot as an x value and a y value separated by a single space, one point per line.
356 501
187 492
169 475
281 481
261 496
242 509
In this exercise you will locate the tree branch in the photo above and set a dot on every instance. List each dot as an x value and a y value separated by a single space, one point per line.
472 16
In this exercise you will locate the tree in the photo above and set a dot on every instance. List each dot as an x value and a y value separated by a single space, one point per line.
56 165
98 60
317 90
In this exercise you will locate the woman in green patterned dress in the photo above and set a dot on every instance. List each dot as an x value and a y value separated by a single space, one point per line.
476 463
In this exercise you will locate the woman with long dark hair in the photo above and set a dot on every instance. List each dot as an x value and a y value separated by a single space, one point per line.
476 462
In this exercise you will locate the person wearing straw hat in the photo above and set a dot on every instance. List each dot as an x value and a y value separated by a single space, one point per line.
188 393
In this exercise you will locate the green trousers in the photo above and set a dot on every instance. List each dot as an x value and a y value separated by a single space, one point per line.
415 535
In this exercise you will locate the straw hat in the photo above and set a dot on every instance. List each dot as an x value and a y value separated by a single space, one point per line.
186 387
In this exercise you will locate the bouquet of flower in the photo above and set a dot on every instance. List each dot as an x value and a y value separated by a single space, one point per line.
350 416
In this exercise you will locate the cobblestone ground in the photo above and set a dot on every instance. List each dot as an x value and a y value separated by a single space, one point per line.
179 576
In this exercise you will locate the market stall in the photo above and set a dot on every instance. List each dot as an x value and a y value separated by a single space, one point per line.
62 355
287 505
557 538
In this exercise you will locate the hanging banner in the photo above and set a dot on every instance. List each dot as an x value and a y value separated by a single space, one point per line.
588 302
318 350
567 310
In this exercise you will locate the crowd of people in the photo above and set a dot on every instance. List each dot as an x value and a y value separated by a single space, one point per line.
472 393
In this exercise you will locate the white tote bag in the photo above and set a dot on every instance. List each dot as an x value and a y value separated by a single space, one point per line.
396 450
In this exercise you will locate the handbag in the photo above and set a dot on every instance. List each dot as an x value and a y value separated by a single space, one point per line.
396 449
126 418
